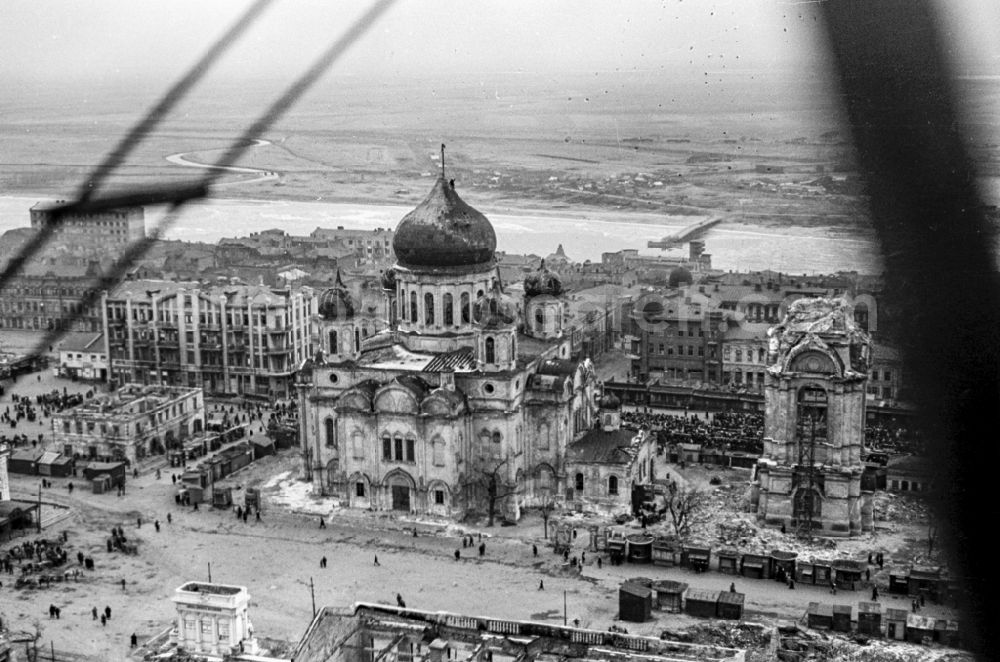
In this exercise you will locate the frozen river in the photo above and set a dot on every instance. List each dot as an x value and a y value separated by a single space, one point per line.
793 249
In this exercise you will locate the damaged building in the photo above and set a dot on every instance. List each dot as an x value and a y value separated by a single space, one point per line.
381 632
468 398
809 476
608 462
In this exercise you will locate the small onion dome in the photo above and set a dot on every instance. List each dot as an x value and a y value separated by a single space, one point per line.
678 276
336 303
609 401
543 281
444 231
388 279
494 309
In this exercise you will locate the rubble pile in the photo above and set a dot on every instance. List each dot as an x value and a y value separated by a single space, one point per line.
799 644
754 638
900 509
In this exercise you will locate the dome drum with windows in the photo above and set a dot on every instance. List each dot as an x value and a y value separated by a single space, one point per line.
336 303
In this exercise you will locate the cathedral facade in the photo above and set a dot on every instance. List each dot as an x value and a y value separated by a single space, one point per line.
467 401
809 476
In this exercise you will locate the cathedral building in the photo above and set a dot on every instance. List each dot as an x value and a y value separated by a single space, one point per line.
467 401
809 476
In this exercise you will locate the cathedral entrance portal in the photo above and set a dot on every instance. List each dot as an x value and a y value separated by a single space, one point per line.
401 497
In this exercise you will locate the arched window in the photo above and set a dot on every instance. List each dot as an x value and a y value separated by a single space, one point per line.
357 340
613 485
479 295
466 308
449 314
334 347
328 426
428 309
413 307
386 447
579 482
539 319
811 418
490 350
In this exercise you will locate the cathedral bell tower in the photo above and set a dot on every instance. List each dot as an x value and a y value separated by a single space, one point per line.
809 476
338 335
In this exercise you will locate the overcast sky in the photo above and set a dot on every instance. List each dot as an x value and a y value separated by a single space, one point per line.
107 39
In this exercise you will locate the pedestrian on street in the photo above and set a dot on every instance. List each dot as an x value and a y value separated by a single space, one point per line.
322 562
138 522
134 640
833 587
399 601
868 575
156 524
874 593
541 584
482 549
93 611
322 522
732 587
534 550
583 557
598 562
169 518
458 555
376 560
104 620
791 583
107 612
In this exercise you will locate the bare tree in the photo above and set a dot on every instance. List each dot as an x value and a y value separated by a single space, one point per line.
547 506
687 506
492 479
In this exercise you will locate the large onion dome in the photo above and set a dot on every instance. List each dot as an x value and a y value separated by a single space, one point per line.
543 281
336 302
444 231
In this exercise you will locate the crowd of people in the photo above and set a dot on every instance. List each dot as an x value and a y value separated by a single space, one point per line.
744 431
731 431
24 411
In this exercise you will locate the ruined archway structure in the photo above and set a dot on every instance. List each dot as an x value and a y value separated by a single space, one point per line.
809 476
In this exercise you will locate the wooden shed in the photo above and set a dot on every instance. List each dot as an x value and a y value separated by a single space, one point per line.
730 605
899 581
728 560
919 629
55 465
635 602
664 551
696 557
701 602
819 615
925 580
895 623
754 566
116 470
805 572
842 618
24 461
640 548
822 572
870 619
670 595
782 564
847 573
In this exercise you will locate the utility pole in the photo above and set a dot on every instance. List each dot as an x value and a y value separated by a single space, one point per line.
564 607
210 573
312 594
38 512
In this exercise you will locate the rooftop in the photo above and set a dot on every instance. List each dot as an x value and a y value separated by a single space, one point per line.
598 446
